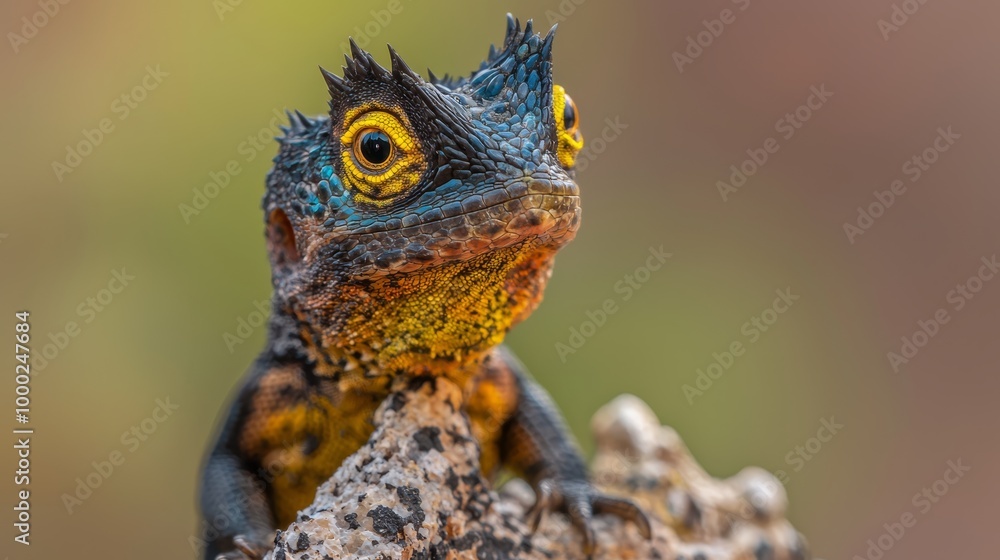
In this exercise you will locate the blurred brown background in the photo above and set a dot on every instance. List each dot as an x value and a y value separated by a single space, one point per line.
214 74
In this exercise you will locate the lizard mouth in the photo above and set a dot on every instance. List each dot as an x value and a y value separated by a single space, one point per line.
541 212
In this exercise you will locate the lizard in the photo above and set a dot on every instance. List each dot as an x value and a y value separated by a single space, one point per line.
407 232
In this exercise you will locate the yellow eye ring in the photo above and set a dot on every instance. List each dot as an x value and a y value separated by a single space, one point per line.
567 127
374 149
381 155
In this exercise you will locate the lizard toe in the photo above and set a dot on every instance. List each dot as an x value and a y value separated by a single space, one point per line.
246 548
625 509
580 501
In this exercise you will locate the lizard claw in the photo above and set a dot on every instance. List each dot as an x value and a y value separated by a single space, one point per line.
581 501
543 503
625 509
246 549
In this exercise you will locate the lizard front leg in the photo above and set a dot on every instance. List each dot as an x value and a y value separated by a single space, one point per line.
265 464
237 515
285 435
537 445
235 509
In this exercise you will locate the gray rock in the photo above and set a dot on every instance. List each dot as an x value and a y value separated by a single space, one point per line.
415 492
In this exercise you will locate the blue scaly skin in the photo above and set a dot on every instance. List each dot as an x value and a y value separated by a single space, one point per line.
407 233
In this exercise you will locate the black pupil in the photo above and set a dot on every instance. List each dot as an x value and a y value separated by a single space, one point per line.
375 147
569 114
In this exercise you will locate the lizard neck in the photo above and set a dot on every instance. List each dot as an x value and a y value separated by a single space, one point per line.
440 321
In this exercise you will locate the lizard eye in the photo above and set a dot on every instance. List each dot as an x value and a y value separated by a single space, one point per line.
567 127
569 115
381 155
374 149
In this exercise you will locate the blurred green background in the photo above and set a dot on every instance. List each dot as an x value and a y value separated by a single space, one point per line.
216 72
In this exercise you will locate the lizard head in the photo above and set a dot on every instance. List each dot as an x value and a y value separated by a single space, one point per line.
410 229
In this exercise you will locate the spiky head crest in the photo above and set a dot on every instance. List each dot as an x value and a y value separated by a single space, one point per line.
444 197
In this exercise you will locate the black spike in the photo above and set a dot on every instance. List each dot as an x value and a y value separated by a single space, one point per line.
363 65
430 76
359 55
400 68
549 38
528 30
513 27
305 121
300 123
334 83
356 64
292 121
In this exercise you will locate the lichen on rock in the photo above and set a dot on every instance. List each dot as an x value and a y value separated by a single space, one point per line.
415 492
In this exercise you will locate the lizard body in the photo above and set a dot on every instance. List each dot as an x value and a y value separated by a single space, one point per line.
407 233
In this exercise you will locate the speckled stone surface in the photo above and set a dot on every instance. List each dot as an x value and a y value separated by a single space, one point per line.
414 491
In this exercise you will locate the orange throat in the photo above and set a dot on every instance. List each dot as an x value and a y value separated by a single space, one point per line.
437 321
